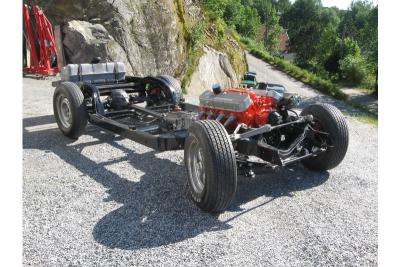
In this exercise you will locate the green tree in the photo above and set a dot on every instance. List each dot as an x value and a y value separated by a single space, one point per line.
332 49
327 59
355 19
360 22
233 13
264 7
250 23
372 43
274 31
269 16
282 6
304 28
354 69
215 8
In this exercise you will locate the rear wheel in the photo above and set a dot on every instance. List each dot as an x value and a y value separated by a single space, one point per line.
166 90
210 165
330 120
176 95
69 109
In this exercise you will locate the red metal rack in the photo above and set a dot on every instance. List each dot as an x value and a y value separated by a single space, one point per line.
43 35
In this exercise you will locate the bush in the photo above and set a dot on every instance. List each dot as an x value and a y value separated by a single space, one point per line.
197 35
220 24
196 38
215 8
354 69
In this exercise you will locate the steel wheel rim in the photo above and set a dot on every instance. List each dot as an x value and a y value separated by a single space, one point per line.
197 176
64 111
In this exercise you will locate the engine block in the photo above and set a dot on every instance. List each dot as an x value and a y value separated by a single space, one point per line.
234 106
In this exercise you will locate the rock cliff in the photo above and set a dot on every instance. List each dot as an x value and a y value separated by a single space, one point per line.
213 67
150 36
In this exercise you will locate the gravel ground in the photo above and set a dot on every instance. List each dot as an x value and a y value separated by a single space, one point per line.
106 201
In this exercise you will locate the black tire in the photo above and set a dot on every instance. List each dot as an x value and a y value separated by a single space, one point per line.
218 162
176 96
328 119
68 94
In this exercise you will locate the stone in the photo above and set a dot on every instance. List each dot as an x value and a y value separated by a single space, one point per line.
214 67
150 36
83 41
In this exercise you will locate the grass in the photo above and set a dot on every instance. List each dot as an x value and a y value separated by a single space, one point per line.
365 118
193 38
179 5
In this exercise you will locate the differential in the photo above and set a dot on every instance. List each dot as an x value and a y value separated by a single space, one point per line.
119 99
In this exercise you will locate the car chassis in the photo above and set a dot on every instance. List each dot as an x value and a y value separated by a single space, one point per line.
164 124
163 128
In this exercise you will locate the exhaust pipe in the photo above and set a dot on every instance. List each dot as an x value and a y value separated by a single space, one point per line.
210 116
230 120
220 117
201 114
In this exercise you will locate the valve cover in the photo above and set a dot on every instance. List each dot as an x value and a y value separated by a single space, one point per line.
230 101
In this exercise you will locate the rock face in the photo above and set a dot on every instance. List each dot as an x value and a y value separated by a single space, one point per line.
146 33
214 67
151 37
84 41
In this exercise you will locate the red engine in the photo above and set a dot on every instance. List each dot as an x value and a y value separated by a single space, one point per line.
233 106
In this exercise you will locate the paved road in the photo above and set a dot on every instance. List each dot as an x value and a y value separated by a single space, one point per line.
106 201
362 97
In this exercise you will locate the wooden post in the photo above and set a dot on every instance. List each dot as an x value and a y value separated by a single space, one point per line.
27 53
59 45
28 57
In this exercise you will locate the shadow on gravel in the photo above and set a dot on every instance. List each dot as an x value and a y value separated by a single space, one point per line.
156 210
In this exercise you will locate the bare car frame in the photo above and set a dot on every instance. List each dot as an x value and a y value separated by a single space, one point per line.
230 130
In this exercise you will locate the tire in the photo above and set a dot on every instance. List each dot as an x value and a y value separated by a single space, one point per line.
328 119
69 109
212 185
170 81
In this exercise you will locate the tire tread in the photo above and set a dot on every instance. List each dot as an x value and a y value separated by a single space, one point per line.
224 163
75 95
336 122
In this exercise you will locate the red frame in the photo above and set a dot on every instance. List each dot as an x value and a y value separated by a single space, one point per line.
44 32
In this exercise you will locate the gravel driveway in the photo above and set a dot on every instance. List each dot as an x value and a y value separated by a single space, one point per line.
106 201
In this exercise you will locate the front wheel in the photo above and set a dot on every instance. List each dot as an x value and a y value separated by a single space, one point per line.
210 165
329 119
